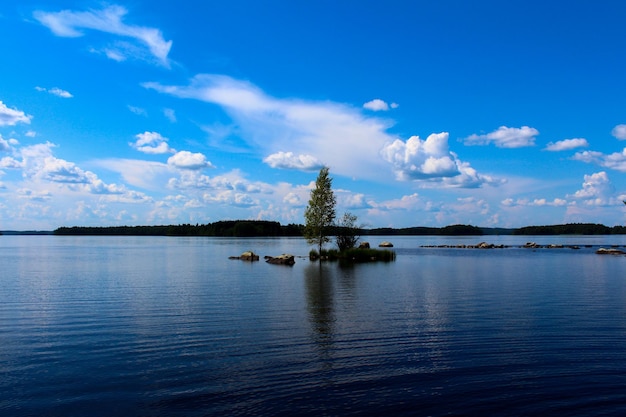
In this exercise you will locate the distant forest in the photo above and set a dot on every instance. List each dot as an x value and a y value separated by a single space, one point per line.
263 228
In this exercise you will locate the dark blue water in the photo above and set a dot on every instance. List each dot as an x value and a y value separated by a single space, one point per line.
147 326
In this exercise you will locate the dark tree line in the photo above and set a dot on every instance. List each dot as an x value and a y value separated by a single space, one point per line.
452 230
262 228
225 228
571 229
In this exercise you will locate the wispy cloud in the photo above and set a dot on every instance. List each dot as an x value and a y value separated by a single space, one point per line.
505 137
137 110
11 117
55 91
566 145
170 114
69 23
325 131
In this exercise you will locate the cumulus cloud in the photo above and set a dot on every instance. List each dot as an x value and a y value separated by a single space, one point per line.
567 144
323 130
69 23
7 144
287 160
421 159
597 190
39 165
431 162
379 105
11 117
505 137
616 161
56 92
189 160
619 132
152 143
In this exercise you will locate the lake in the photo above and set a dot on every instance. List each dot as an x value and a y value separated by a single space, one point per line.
168 326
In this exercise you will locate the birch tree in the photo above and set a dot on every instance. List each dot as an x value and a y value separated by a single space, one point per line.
320 213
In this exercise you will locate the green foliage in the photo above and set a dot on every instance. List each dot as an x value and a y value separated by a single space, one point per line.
347 232
353 255
320 213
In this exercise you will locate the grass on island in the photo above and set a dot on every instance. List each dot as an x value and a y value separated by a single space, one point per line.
354 255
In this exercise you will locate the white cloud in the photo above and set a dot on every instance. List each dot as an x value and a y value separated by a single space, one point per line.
148 175
11 117
326 131
616 161
39 166
597 190
505 137
188 160
379 105
7 145
619 132
287 160
421 159
68 23
407 202
567 144
56 92
431 162
537 202
152 143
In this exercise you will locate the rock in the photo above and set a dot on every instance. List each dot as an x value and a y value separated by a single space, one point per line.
246 256
604 251
283 259
385 245
531 245
364 245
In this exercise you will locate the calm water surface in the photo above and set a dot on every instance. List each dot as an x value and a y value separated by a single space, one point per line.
164 326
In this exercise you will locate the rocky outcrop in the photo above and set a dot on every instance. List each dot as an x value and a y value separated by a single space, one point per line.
246 256
283 259
385 245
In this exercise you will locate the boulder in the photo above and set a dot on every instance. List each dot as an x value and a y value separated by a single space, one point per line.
364 245
283 259
385 245
246 256
604 251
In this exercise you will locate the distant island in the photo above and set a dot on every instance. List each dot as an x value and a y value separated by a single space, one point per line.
264 228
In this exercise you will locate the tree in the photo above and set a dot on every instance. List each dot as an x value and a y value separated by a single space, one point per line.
320 213
347 232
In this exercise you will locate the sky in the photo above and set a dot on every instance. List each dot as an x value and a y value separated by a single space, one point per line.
489 113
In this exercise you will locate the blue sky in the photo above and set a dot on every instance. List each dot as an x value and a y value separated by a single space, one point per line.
491 113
